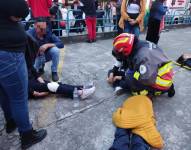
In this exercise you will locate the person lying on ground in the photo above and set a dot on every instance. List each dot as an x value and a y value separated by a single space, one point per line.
136 126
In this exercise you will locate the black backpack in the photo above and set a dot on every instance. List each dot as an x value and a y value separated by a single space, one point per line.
185 60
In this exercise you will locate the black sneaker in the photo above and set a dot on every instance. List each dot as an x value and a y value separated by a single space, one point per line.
55 77
10 126
171 91
41 71
32 137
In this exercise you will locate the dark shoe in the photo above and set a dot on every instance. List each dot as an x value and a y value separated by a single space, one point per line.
89 41
94 40
32 137
171 91
41 71
10 126
55 77
118 90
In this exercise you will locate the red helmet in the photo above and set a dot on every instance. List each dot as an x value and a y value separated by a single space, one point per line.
123 43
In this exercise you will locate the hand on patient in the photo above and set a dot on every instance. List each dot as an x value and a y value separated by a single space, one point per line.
40 79
110 78
113 78
117 78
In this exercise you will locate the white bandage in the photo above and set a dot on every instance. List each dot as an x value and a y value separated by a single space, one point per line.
53 86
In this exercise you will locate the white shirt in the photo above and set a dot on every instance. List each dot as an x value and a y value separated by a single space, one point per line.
133 8
113 10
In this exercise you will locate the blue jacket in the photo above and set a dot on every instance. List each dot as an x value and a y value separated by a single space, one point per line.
157 10
100 13
48 38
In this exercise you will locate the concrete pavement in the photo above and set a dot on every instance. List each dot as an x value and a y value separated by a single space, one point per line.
89 127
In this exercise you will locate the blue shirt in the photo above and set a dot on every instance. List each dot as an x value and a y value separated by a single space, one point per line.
157 10
48 38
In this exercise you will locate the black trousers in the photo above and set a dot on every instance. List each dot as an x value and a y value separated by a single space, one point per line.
63 89
119 30
153 30
100 23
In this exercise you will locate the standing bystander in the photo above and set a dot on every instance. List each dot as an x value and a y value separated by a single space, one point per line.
157 12
89 9
100 16
13 73
40 8
132 16
118 12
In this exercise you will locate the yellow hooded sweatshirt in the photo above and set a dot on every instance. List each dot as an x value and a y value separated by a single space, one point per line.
137 114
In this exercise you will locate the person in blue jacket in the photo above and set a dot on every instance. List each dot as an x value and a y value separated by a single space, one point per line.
157 12
49 47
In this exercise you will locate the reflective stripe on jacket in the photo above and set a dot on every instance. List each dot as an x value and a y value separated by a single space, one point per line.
152 67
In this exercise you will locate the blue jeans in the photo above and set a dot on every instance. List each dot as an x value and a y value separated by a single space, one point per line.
132 29
14 89
51 54
124 141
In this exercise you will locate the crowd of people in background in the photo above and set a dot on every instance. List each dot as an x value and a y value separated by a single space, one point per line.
72 18
68 19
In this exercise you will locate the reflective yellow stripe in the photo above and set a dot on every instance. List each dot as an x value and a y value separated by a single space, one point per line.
135 93
136 75
144 92
164 69
158 93
124 40
164 83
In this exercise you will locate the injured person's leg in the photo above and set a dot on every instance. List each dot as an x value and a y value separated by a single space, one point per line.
36 88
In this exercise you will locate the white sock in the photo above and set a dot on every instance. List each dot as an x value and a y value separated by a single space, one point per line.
53 86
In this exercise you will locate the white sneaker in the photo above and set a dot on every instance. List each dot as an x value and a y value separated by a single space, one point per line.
118 90
87 92
89 85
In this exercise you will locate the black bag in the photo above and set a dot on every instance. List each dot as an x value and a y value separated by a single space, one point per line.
185 60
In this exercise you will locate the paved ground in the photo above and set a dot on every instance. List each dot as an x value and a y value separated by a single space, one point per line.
89 127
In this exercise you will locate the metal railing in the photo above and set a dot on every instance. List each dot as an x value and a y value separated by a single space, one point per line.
77 26
178 17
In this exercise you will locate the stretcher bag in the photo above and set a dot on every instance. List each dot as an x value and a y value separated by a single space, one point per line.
184 61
